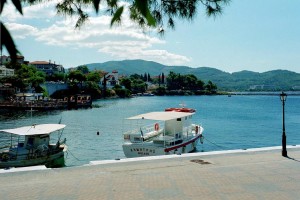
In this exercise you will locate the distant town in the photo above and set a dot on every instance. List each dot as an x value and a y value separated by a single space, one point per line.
26 81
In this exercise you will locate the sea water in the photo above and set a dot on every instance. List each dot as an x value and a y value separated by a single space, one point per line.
236 122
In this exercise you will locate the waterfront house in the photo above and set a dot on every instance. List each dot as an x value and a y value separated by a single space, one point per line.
6 59
112 79
48 67
6 71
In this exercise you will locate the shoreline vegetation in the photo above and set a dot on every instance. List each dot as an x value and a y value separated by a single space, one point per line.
99 84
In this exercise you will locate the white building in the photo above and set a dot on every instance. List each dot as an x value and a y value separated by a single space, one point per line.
112 79
6 71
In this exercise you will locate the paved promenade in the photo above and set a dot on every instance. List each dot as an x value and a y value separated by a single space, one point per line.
243 174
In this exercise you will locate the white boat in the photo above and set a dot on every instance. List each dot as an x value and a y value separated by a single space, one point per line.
31 145
169 133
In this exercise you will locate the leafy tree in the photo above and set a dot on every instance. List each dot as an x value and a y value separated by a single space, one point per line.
28 76
200 85
174 81
56 77
190 82
146 13
160 91
138 86
210 87
93 76
135 76
93 89
122 92
84 69
126 82
76 76
149 77
36 79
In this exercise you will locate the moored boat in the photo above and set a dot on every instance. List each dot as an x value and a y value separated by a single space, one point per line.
189 110
32 145
171 133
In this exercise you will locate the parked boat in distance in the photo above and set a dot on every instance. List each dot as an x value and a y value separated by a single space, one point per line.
189 110
31 145
171 133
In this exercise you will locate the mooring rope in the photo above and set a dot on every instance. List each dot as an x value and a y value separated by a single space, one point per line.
68 151
219 146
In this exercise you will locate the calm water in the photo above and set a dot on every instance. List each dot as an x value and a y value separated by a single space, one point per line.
235 122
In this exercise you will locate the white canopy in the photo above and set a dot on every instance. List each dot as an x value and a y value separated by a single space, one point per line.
161 116
38 129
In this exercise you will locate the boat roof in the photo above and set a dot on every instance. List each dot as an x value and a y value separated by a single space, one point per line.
161 116
39 129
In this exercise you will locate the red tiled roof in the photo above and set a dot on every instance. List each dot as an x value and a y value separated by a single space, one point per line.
40 63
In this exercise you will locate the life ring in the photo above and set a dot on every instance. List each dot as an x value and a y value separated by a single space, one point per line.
156 127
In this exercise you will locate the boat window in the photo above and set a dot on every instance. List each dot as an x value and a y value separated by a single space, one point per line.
178 119
21 144
30 142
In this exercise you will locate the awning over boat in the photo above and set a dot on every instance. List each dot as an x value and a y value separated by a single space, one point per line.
38 129
161 116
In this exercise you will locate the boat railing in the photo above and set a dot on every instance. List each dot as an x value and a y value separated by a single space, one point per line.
144 130
144 133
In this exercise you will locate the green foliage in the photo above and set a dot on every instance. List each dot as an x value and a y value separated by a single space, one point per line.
93 76
83 68
26 76
160 91
237 81
187 83
138 86
126 82
210 87
123 93
56 77
76 76
93 89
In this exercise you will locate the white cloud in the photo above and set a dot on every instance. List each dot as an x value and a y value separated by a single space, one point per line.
21 31
122 42
45 10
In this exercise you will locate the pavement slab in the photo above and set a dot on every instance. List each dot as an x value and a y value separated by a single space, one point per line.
248 174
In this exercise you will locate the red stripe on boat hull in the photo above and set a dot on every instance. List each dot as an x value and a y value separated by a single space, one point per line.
184 144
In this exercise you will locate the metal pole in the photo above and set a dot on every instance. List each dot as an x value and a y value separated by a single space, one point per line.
284 152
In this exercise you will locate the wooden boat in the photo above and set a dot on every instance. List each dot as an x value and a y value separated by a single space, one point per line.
31 145
171 133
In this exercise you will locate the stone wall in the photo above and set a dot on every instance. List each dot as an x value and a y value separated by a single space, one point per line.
52 87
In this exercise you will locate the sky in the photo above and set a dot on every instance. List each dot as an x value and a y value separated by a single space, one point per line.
256 35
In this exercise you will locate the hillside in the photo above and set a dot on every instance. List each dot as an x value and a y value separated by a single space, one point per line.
243 80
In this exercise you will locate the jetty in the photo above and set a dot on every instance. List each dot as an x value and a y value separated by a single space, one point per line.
28 101
235 174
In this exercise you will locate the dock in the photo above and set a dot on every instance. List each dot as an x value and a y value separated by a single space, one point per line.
260 173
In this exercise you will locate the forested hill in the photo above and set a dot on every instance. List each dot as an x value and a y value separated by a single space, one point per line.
243 80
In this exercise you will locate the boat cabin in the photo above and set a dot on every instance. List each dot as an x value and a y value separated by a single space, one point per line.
170 128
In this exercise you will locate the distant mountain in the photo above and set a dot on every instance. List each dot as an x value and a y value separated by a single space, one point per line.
243 80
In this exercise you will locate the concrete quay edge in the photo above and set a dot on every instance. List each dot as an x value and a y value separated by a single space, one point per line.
260 173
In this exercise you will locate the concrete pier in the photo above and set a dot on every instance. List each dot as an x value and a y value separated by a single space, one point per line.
240 174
